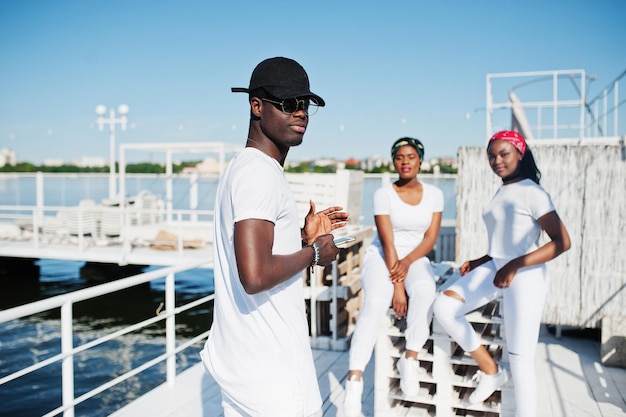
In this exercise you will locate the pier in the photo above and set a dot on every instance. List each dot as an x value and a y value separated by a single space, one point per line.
580 357
572 383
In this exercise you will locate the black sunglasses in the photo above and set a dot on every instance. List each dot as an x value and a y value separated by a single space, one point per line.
292 105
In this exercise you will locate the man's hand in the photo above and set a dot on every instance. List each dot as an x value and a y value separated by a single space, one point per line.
327 248
323 222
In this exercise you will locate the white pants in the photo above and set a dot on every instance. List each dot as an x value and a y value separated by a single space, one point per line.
378 291
291 408
522 307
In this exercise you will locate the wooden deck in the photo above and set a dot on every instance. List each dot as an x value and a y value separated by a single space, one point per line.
572 382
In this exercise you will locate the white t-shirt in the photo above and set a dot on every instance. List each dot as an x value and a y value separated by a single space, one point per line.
511 219
409 222
259 350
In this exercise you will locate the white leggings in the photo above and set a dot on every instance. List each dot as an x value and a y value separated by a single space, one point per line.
522 305
378 289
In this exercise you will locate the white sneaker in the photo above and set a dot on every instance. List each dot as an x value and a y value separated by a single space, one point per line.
352 397
410 372
488 384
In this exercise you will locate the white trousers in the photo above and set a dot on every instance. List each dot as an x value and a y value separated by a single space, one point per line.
378 291
522 305
292 407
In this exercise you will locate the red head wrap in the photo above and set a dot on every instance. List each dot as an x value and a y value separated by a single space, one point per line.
512 137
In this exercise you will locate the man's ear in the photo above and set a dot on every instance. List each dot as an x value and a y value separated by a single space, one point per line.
255 106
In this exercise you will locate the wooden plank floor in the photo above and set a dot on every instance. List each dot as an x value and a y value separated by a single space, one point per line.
572 382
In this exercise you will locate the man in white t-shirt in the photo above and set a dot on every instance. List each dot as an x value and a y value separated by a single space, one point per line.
258 350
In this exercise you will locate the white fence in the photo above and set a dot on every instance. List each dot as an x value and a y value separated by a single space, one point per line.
66 304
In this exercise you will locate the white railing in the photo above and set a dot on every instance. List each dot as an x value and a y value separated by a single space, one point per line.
90 225
445 246
66 303
122 229
553 105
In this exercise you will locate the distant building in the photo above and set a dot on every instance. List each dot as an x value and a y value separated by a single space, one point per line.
426 165
91 161
374 161
437 163
353 163
449 161
325 162
7 157
207 166
52 162
291 164
371 163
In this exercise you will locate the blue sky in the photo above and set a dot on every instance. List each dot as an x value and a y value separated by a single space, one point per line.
386 69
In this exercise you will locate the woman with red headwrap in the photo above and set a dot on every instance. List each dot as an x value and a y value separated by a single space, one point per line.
514 268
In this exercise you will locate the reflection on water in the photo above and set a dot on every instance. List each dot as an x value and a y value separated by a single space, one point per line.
31 340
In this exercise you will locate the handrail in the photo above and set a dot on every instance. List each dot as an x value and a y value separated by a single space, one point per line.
565 114
68 351
82 220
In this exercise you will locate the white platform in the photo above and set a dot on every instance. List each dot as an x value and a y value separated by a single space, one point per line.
572 382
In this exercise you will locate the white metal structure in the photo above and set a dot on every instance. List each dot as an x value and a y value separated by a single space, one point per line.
220 148
565 114
93 232
66 303
111 122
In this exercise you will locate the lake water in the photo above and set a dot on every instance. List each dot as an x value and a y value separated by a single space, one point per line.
31 340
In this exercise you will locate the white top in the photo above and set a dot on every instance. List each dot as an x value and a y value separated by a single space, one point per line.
409 222
511 219
258 350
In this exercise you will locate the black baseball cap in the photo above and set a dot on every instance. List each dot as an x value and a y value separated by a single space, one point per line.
282 78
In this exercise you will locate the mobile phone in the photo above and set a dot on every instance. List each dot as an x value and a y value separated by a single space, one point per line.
341 240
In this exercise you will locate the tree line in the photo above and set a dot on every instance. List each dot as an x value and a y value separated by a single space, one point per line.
136 168
154 168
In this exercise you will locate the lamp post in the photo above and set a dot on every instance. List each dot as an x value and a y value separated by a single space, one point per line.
111 121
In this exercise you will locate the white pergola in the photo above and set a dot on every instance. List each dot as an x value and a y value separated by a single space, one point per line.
169 149
544 118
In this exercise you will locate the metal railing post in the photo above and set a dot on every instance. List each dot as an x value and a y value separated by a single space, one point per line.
313 309
36 224
333 302
180 245
170 328
38 213
67 345
81 231
193 196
